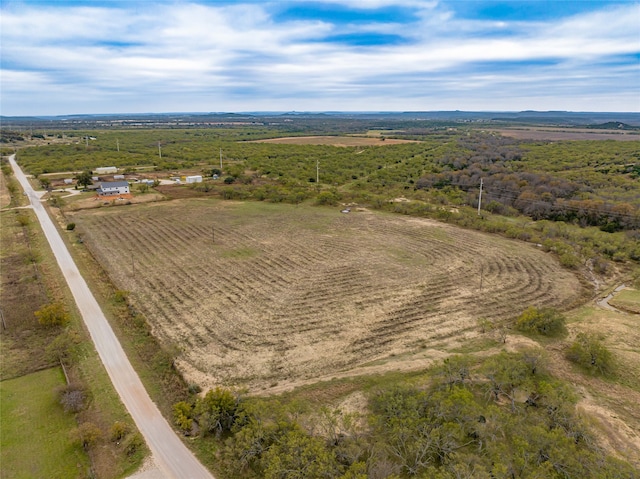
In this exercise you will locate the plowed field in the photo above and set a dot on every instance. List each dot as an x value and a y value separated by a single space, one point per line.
335 140
256 293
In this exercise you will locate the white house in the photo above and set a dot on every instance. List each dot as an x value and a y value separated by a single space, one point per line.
106 170
194 179
113 188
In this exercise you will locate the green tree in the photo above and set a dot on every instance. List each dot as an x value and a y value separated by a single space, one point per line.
84 179
455 370
589 351
216 412
506 373
299 456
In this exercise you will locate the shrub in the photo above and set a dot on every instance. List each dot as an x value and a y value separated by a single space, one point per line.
547 321
65 347
119 431
589 351
121 296
569 260
194 388
52 315
87 434
485 325
327 198
72 398
22 219
132 443
182 413
71 226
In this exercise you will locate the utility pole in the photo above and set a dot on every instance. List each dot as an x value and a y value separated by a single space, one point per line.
159 150
87 141
118 145
213 235
220 160
480 197
317 172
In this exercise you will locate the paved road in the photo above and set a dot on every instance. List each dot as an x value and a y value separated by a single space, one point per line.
170 454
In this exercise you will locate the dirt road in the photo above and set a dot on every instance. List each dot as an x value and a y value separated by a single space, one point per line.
170 454
604 302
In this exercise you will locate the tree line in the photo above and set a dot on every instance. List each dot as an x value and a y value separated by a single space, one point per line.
501 417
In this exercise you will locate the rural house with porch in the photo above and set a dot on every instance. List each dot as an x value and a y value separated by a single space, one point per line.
113 188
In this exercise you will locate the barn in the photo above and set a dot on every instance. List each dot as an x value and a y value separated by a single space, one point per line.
105 170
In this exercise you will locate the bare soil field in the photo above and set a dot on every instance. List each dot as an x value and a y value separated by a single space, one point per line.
257 294
335 141
561 134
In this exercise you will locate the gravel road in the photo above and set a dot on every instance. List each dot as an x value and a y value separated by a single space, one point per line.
170 455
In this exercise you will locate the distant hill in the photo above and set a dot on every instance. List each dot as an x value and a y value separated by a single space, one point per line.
613 125
603 120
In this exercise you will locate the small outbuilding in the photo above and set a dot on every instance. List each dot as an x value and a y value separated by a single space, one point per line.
106 170
194 179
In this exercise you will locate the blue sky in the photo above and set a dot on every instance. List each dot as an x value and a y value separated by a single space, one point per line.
82 56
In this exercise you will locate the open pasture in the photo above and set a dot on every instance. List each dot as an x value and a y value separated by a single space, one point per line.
36 440
335 140
258 293
563 134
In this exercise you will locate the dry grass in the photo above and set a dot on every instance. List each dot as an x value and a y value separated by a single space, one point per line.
288 294
22 292
561 134
611 402
335 141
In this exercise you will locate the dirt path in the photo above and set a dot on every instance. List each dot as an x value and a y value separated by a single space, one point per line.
604 302
171 456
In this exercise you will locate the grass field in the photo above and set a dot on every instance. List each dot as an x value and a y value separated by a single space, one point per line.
35 430
21 293
255 294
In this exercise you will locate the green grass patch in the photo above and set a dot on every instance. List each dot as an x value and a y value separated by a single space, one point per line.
627 300
36 432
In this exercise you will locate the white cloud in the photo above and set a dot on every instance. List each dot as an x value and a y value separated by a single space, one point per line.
205 56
